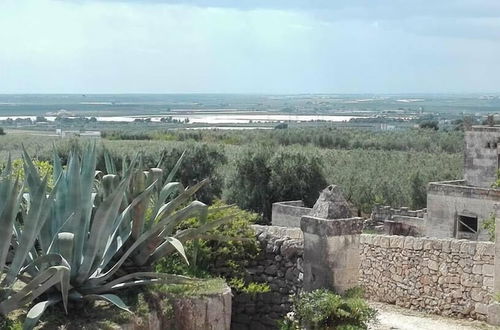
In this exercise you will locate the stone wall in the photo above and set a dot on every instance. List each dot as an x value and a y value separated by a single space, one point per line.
446 201
481 155
280 265
441 276
385 212
288 214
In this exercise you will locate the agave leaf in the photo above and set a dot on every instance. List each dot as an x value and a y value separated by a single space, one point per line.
168 190
174 170
43 262
178 246
57 166
116 240
109 163
39 285
155 175
184 196
188 211
37 311
169 223
138 184
7 217
7 171
82 224
140 278
53 243
30 171
103 218
114 299
39 210
191 234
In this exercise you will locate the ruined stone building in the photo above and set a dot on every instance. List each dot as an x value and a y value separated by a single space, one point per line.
458 208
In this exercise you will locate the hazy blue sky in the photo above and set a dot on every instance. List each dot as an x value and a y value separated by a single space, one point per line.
260 46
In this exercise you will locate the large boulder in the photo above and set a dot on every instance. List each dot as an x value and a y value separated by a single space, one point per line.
331 204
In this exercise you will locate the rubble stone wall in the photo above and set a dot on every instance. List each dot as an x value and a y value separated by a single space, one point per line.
441 276
280 265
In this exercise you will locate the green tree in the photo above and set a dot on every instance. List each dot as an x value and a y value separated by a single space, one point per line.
201 161
418 191
248 182
296 175
430 125
263 175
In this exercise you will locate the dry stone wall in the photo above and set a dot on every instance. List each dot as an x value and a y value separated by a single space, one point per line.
281 266
441 276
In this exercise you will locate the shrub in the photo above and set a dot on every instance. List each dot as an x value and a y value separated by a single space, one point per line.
201 161
225 250
248 183
323 309
490 225
296 175
262 175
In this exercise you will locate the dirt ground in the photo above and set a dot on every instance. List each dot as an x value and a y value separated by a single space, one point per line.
391 317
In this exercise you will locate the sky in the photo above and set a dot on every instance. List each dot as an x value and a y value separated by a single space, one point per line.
241 46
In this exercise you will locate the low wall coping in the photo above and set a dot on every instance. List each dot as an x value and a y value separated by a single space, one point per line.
458 188
331 227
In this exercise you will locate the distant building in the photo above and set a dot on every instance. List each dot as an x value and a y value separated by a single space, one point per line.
458 208
90 134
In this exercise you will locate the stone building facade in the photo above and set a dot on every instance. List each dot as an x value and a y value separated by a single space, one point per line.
458 208
440 276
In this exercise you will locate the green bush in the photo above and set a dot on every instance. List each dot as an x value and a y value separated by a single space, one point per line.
248 181
296 175
224 251
201 161
323 309
490 225
262 175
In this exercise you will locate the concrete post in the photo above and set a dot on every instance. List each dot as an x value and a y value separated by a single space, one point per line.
494 308
331 253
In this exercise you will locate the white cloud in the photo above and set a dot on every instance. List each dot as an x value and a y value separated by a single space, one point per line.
134 46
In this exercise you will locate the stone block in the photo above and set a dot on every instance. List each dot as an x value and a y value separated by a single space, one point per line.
408 243
328 228
418 244
494 314
396 242
488 270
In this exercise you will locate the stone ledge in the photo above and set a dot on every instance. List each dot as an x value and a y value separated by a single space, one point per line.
461 246
331 227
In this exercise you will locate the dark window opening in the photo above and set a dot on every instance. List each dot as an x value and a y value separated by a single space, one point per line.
467 224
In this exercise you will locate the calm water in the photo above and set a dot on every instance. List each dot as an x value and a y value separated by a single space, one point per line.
216 118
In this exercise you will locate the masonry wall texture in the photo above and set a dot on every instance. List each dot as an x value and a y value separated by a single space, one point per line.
447 200
481 155
288 214
441 276
281 266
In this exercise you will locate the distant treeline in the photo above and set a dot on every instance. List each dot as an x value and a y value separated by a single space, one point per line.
255 169
421 140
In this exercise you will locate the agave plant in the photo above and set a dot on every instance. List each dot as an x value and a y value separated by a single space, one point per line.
162 197
43 274
84 236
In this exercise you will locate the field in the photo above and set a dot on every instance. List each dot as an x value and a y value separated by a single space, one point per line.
371 167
